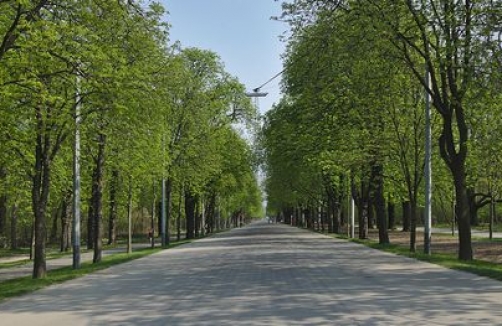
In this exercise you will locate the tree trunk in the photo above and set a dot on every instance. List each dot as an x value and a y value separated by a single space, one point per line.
190 203
337 209
197 217
202 218
462 212
112 218
363 219
379 202
371 214
363 211
97 199
129 217
90 219
330 214
40 196
210 213
169 208
13 227
413 225
492 215
406 216
178 219
3 201
391 210
53 237
65 221
453 149
298 216
39 207
152 221
473 208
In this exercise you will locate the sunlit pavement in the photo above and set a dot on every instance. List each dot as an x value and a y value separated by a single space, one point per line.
265 274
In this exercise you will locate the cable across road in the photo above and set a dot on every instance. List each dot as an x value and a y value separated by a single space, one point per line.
257 89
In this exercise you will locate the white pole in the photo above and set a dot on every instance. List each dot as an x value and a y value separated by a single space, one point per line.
428 168
76 182
352 217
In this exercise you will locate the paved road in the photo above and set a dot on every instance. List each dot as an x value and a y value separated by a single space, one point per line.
265 274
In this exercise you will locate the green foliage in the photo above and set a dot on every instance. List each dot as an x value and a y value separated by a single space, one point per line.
354 95
161 111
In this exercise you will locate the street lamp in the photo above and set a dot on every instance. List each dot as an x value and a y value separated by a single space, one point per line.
256 94
428 167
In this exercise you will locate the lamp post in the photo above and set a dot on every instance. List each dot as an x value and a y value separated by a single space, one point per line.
428 168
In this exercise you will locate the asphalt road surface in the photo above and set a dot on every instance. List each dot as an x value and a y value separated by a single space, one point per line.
265 274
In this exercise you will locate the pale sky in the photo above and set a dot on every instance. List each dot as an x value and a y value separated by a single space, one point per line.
240 32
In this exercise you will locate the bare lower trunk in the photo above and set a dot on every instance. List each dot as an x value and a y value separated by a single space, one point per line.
413 225
13 227
406 216
391 210
112 219
65 221
363 207
53 237
169 208
3 201
178 219
39 266
379 202
210 214
129 217
464 223
152 221
40 195
90 221
198 217
97 200
190 202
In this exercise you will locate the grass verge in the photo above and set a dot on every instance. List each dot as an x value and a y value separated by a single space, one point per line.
478 267
23 285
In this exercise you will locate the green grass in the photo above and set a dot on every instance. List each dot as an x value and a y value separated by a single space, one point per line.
14 263
478 267
23 285
9 252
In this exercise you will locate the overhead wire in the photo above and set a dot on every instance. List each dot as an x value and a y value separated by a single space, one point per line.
257 89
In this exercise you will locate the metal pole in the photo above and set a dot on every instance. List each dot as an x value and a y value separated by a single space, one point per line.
76 183
352 217
348 207
428 168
